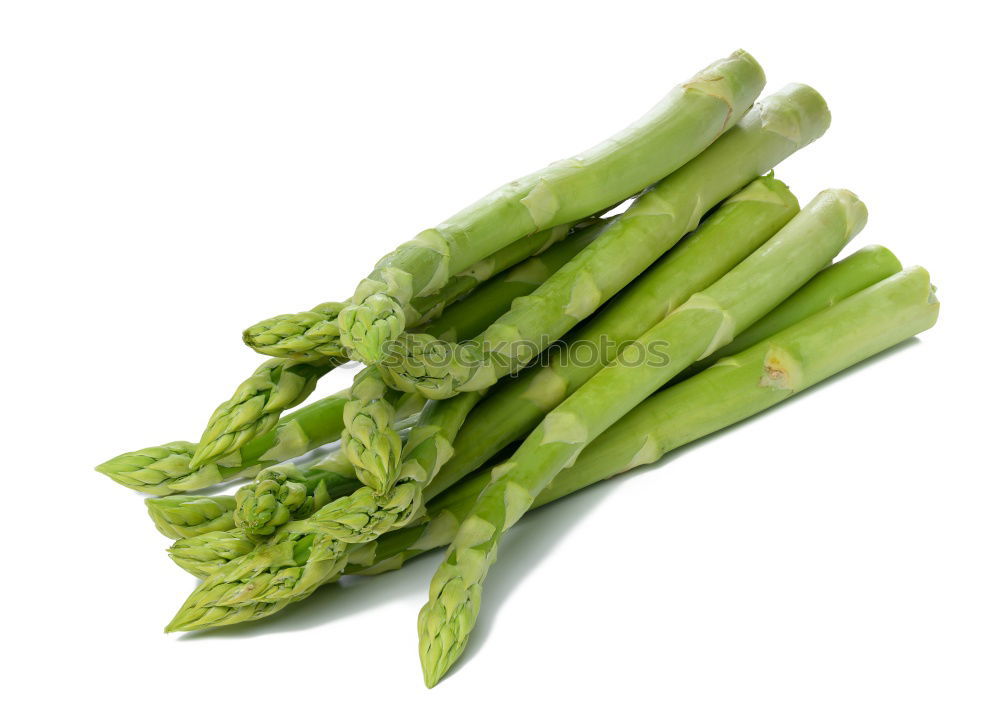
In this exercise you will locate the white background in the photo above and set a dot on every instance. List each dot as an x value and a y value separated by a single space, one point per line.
172 172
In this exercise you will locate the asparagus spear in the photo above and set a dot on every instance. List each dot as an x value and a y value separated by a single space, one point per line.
776 128
189 515
765 374
727 236
256 407
706 321
683 124
369 438
315 334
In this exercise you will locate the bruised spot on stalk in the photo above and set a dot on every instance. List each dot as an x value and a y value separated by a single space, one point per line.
781 370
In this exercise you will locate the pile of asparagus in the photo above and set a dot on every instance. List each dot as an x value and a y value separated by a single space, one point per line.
525 348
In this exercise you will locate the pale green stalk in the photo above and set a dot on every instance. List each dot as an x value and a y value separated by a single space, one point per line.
774 129
690 118
706 321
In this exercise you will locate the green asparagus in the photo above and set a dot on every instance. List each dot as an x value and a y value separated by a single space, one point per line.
729 234
774 129
315 334
369 438
706 321
690 118
875 319
839 281
296 563
203 555
188 515
298 560
256 407
282 383
866 323
166 469
286 492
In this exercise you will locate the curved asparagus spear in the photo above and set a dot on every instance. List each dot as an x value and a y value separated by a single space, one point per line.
706 321
673 132
188 515
734 230
314 334
761 376
369 439
774 129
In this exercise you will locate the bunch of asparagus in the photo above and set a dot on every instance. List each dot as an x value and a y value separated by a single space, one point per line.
525 348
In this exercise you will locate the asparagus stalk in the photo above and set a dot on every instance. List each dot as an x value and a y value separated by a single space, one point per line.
369 438
188 515
690 118
706 321
315 334
783 364
734 230
776 128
